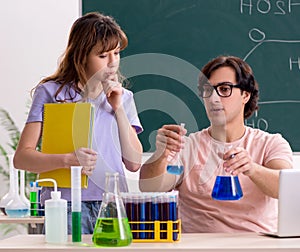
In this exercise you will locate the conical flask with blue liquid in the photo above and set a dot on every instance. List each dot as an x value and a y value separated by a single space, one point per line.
227 186
112 228
175 165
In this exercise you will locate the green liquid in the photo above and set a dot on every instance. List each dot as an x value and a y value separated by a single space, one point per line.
112 232
76 226
34 205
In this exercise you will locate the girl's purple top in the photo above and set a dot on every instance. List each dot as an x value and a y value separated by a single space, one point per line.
105 136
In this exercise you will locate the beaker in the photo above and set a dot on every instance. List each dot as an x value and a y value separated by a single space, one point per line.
175 165
227 186
112 227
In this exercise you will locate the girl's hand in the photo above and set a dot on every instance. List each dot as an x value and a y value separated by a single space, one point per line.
87 159
113 90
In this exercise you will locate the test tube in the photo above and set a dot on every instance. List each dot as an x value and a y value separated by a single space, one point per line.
76 202
173 216
33 196
164 215
142 219
128 201
148 214
154 212
135 215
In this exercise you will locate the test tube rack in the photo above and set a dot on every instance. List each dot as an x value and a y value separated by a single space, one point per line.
153 217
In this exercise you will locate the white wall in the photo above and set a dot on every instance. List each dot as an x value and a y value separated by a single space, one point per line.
296 160
33 36
133 177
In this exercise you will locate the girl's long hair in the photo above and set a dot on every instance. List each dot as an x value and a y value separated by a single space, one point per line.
87 31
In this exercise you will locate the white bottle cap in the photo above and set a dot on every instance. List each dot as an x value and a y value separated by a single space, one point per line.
55 195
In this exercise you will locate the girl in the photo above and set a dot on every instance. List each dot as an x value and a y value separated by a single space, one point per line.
88 72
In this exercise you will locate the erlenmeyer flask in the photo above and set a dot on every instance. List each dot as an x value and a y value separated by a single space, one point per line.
112 227
175 165
227 186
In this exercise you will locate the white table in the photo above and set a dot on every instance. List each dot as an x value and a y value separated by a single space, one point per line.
215 242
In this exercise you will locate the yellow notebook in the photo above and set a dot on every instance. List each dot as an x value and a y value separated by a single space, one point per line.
66 127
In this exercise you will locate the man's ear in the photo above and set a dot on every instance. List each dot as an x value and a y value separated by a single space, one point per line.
246 96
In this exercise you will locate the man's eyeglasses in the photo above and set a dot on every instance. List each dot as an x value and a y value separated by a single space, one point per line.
223 89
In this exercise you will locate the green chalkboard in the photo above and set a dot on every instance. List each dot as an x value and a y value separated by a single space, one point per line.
170 40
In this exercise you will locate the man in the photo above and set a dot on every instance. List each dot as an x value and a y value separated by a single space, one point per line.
230 95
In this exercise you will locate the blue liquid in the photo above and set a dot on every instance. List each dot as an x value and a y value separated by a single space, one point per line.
227 188
175 169
142 219
17 212
154 217
173 217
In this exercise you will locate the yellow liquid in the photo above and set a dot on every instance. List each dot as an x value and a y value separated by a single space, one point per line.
112 232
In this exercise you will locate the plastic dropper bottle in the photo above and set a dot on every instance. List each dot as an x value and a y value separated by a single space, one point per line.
56 224
76 202
174 163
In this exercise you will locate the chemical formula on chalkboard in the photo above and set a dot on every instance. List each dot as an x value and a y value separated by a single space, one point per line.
256 122
264 7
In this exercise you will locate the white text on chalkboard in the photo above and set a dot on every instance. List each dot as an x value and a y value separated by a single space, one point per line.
278 7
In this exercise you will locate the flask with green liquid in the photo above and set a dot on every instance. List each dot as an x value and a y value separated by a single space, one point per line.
112 228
